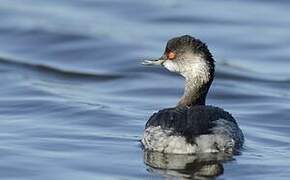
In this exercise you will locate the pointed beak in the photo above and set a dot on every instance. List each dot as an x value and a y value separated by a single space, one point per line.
153 62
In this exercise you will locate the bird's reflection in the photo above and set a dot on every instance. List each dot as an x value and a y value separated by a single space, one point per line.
202 166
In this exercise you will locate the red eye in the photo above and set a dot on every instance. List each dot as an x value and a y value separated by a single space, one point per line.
171 55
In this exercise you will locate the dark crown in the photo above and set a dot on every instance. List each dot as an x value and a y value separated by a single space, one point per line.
188 43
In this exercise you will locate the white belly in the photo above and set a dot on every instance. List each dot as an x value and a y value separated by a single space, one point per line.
166 141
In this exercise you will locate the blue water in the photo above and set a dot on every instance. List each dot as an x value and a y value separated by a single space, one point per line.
75 98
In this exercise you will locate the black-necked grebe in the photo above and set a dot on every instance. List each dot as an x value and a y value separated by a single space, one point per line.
191 127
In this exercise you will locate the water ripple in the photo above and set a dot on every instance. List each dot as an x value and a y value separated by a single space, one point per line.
66 73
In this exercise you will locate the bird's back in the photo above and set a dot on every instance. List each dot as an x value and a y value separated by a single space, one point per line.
192 130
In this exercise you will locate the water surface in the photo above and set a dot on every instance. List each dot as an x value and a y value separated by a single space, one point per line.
75 98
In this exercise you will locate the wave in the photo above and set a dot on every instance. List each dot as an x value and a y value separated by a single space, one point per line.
58 71
231 71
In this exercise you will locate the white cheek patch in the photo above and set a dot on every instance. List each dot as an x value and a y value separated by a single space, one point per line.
171 66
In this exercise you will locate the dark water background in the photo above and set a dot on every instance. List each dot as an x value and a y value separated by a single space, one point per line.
74 98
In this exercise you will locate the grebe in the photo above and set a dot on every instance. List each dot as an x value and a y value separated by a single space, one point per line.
191 127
